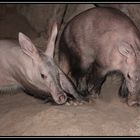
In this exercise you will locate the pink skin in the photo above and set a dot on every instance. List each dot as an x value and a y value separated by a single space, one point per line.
22 66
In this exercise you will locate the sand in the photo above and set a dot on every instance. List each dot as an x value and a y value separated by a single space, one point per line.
24 115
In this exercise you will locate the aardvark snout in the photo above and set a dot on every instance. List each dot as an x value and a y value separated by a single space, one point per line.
60 98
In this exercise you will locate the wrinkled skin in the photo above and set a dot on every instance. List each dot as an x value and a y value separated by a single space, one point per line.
23 67
100 41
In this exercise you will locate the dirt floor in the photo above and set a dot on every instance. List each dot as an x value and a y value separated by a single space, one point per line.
23 115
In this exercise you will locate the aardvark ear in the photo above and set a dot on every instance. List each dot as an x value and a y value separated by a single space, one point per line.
51 41
126 50
27 46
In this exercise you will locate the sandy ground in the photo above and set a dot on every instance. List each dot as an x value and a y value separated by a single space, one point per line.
23 115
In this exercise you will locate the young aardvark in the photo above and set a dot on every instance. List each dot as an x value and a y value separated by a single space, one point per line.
23 67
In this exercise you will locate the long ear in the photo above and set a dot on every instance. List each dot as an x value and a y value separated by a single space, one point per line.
51 41
27 46
126 50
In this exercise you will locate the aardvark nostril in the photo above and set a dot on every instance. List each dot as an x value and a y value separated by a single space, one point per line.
62 98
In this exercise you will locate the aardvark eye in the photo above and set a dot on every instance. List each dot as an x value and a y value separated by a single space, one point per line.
43 76
128 76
